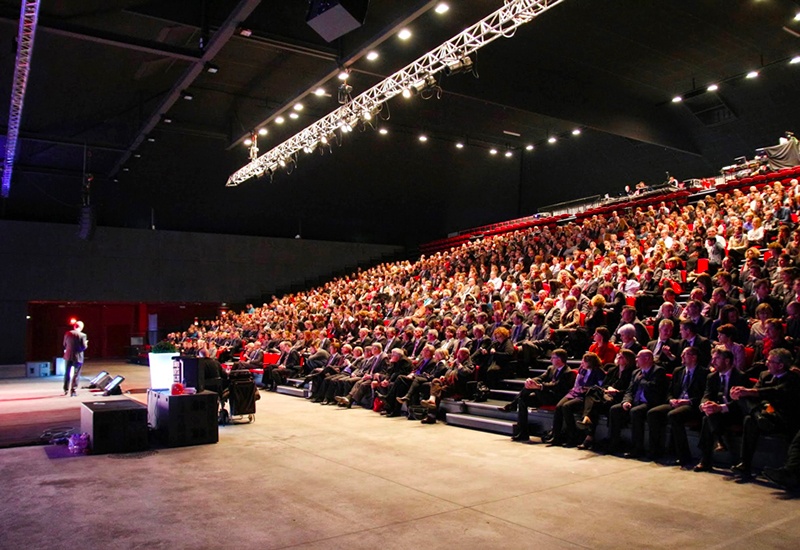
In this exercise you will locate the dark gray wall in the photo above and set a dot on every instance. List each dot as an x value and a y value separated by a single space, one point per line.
49 262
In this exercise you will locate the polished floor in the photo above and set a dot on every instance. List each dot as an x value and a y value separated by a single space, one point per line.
307 476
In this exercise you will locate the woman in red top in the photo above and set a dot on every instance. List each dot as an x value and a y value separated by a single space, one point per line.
602 347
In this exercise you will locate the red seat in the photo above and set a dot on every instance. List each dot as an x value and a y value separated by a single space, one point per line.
702 265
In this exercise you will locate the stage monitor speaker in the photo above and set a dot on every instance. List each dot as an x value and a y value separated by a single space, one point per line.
95 382
334 18
112 388
86 223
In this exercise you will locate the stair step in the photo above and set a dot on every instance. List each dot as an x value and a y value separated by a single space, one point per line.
506 395
296 392
483 423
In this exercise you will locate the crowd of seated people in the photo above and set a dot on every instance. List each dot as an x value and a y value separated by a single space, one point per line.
608 289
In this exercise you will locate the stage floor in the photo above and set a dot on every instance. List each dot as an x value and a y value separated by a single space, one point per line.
307 476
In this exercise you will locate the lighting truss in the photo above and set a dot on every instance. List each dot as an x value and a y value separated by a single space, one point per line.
29 15
501 23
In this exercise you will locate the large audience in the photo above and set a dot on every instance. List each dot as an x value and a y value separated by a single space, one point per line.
660 317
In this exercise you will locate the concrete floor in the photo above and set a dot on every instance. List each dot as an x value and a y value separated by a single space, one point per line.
307 476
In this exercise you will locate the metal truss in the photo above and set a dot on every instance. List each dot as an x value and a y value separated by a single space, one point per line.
415 76
29 15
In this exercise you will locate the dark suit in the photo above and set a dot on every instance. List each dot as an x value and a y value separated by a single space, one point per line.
752 303
683 386
572 402
703 346
555 385
715 425
646 390
661 358
783 395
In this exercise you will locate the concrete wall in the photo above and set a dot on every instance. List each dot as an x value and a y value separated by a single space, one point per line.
49 262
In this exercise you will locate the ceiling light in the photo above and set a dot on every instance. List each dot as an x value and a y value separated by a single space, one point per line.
510 133
137 155
280 120
294 116
372 56
576 132
677 99
492 151
551 139
151 139
367 115
298 107
166 120
459 145
797 16
211 68
245 32
406 93
712 88
187 96
383 131
344 74
307 149
282 163
263 132
455 66
248 142
319 92
423 138
529 147
794 60
509 154
404 34
751 74
126 169
442 7
323 140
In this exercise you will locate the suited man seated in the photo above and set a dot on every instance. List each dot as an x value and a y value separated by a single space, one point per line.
547 389
719 411
627 338
771 406
690 337
683 401
665 348
648 388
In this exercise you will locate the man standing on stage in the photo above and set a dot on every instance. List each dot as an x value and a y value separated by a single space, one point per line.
75 342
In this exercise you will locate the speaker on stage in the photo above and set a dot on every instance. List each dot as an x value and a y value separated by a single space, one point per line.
334 18
86 223
112 388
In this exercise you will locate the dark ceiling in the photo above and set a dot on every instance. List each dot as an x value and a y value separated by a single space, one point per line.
106 73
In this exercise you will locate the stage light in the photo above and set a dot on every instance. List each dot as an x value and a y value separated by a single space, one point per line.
406 93
126 169
263 132
576 132
752 74
677 99
298 107
151 139
509 154
794 60
72 321
323 140
366 115
404 34
166 120
294 116
344 74
319 92
137 155
383 131
492 151
211 68
279 120
529 147
282 163
712 88
187 96
245 32
552 139
423 138
248 142
372 56
455 66
459 145
797 16
441 8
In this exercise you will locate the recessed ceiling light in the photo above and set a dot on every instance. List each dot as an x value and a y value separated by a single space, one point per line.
551 139
280 120
529 147
677 99
319 92
294 116
248 142
712 88
459 145
492 151
509 154
372 56
137 155
423 138
576 132
442 7
263 132
126 169
344 74
383 131
510 133
751 74
187 96
298 107
151 139
794 60
406 93
211 68
797 16
167 120
404 34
